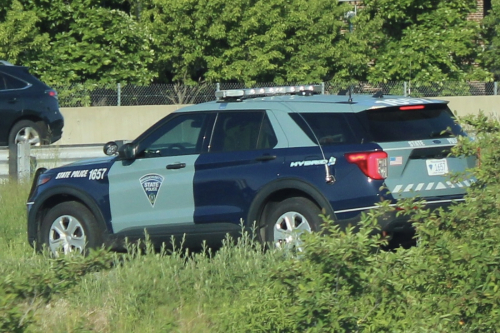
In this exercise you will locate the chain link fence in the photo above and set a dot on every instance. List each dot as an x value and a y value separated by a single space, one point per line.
78 95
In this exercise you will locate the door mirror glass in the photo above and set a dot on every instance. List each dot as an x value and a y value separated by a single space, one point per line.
127 151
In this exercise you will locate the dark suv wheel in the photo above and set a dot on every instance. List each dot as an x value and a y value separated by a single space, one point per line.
27 131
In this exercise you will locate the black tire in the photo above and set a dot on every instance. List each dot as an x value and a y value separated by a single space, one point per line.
68 227
293 213
28 130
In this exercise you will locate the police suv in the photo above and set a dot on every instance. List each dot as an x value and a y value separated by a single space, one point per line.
275 157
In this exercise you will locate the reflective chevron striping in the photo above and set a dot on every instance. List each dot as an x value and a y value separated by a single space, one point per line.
431 186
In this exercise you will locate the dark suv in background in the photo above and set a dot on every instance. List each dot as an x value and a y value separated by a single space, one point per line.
29 109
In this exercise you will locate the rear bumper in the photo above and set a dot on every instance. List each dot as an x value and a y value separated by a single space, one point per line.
56 130
391 222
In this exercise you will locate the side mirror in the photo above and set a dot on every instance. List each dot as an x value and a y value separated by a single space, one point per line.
127 152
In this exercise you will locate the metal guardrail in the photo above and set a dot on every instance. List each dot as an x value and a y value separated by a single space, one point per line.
53 156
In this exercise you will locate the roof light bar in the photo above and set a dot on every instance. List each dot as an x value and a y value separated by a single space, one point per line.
267 91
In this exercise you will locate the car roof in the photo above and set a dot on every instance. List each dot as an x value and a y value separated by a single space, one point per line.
313 103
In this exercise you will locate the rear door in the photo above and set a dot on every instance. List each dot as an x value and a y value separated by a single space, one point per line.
242 157
11 104
418 140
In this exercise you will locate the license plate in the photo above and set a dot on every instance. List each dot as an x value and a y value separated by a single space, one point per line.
437 167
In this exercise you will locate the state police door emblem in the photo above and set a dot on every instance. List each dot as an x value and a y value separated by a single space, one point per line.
151 184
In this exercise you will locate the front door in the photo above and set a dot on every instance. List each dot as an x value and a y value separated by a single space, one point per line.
155 191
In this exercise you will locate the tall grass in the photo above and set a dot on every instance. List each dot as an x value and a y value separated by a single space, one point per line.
139 291
13 237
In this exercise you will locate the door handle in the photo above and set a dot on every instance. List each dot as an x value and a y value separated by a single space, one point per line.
12 100
266 158
176 166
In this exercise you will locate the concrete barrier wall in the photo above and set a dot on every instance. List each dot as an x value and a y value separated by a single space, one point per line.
102 124
465 105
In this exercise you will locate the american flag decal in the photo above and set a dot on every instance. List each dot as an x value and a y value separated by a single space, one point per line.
396 160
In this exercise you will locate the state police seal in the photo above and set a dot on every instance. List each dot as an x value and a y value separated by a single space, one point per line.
151 184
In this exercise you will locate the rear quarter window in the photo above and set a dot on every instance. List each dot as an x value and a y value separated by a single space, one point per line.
327 128
396 124
8 82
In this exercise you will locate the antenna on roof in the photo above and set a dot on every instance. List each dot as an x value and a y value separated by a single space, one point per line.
409 83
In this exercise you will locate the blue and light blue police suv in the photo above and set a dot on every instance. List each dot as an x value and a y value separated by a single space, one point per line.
273 156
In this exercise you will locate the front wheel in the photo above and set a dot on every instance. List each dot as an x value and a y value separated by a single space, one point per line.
290 218
69 227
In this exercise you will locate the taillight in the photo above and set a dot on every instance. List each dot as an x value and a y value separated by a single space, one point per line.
373 163
412 107
51 93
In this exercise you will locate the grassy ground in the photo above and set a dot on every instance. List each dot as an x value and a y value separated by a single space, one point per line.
148 292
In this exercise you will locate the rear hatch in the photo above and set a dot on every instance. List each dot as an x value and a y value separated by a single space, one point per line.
418 140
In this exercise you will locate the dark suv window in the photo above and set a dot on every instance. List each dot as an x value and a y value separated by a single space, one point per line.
329 128
242 130
410 123
9 82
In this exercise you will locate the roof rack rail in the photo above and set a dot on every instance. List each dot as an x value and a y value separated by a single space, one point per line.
240 94
5 63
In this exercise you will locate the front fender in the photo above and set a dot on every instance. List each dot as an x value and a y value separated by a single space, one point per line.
52 196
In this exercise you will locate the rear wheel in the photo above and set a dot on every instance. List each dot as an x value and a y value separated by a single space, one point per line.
290 218
70 227
27 131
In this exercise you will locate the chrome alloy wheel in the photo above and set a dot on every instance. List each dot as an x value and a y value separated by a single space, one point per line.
288 228
66 235
28 134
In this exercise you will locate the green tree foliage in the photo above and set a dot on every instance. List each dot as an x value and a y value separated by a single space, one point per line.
89 43
281 41
422 40
297 40
492 35
278 41
19 35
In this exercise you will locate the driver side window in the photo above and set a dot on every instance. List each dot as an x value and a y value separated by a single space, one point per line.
182 135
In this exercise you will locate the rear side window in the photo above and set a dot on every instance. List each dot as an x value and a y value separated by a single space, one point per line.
410 123
242 130
327 128
8 82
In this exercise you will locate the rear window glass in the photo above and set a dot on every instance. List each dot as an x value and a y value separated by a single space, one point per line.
394 124
327 128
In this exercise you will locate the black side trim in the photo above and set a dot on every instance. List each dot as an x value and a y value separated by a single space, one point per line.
189 235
